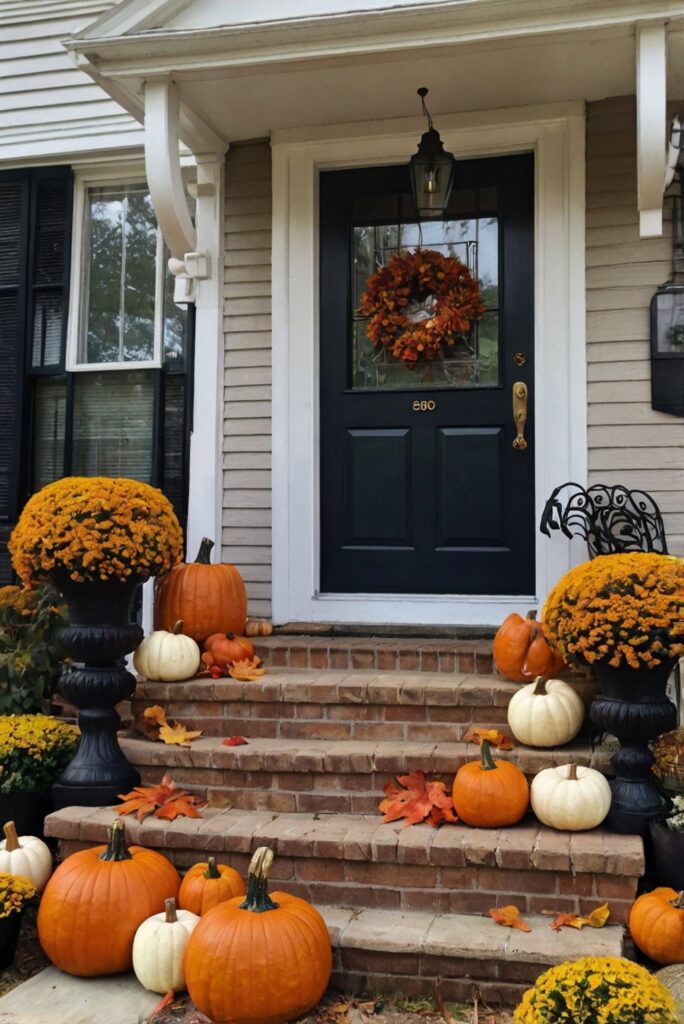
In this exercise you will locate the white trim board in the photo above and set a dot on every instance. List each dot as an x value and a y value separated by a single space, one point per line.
556 136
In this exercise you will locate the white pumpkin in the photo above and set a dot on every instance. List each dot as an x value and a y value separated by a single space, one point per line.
545 713
570 798
25 855
159 947
167 656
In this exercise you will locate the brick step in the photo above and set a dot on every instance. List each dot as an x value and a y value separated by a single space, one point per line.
356 861
346 776
330 705
412 654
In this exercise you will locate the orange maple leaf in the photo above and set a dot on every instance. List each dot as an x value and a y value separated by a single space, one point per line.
160 800
177 733
497 739
509 917
417 800
596 919
247 670
184 804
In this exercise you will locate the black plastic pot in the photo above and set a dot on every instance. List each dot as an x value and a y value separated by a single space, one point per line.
668 855
9 937
26 809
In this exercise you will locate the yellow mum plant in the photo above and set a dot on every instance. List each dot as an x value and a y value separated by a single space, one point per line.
34 749
96 528
597 990
15 891
622 610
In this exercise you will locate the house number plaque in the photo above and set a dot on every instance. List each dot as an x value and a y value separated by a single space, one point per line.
424 405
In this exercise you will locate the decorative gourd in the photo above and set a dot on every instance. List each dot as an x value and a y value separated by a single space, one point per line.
489 793
208 598
27 856
264 959
207 884
570 798
159 946
521 650
545 713
672 978
258 627
95 902
224 649
656 922
167 656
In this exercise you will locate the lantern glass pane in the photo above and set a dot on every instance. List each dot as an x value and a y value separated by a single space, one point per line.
669 321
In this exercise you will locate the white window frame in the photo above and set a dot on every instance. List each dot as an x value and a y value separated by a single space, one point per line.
85 180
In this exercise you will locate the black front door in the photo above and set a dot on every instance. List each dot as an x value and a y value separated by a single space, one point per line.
422 490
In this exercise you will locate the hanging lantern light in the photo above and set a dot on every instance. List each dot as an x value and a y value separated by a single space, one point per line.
432 170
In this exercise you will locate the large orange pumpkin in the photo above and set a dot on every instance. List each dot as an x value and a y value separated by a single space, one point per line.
521 650
208 598
489 793
95 902
264 959
208 884
656 922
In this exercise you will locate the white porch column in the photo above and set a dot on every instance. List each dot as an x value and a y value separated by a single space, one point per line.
651 88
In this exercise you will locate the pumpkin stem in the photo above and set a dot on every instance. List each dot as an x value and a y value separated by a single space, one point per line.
204 553
12 839
532 614
178 627
678 901
116 847
572 772
257 899
487 759
170 908
540 686
212 871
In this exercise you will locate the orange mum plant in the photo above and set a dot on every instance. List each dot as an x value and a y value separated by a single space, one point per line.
623 610
96 528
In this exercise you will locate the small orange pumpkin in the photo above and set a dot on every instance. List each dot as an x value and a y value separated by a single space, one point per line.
258 627
262 960
208 598
205 885
489 793
224 649
95 902
522 652
656 922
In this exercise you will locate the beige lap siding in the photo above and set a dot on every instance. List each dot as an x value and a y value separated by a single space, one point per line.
629 443
246 538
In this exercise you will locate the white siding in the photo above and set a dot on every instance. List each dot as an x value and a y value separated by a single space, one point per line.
629 443
49 110
247 385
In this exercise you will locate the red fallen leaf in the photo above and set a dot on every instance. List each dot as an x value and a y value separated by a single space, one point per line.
234 741
509 917
497 739
417 800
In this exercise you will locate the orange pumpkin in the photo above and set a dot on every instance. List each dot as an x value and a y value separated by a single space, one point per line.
489 793
521 650
205 885
224 649
264 959
95 902
208 598
258 627
656 922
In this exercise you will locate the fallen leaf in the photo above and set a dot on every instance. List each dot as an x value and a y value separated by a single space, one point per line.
153 719
596 919
177 733
497 739
417 800
163 800
509 917
185 805
246 670
235 741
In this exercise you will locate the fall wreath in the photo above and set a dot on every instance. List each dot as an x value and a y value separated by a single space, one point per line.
419 304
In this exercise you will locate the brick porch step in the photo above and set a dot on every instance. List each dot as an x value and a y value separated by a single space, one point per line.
356 861
345 776
412 654
336 705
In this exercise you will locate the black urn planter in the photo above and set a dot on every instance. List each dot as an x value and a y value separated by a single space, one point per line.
668 855
26 809
10 928
99 635
632 706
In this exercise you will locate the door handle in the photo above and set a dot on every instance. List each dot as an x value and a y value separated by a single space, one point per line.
520 414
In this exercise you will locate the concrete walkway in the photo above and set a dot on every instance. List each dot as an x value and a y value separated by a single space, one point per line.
55 998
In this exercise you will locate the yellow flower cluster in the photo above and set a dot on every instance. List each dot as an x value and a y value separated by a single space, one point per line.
96 528
624 610
597 990
33 751
14 892
19 600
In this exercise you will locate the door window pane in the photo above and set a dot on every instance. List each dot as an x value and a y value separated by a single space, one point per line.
113 424
49 420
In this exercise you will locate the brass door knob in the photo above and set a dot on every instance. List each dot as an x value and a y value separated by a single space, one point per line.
520 392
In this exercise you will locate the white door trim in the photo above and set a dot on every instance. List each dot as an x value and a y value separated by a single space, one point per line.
556 135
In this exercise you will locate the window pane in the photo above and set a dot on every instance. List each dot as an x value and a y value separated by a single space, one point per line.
47 328
121 254
175 322
113 424
48 430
